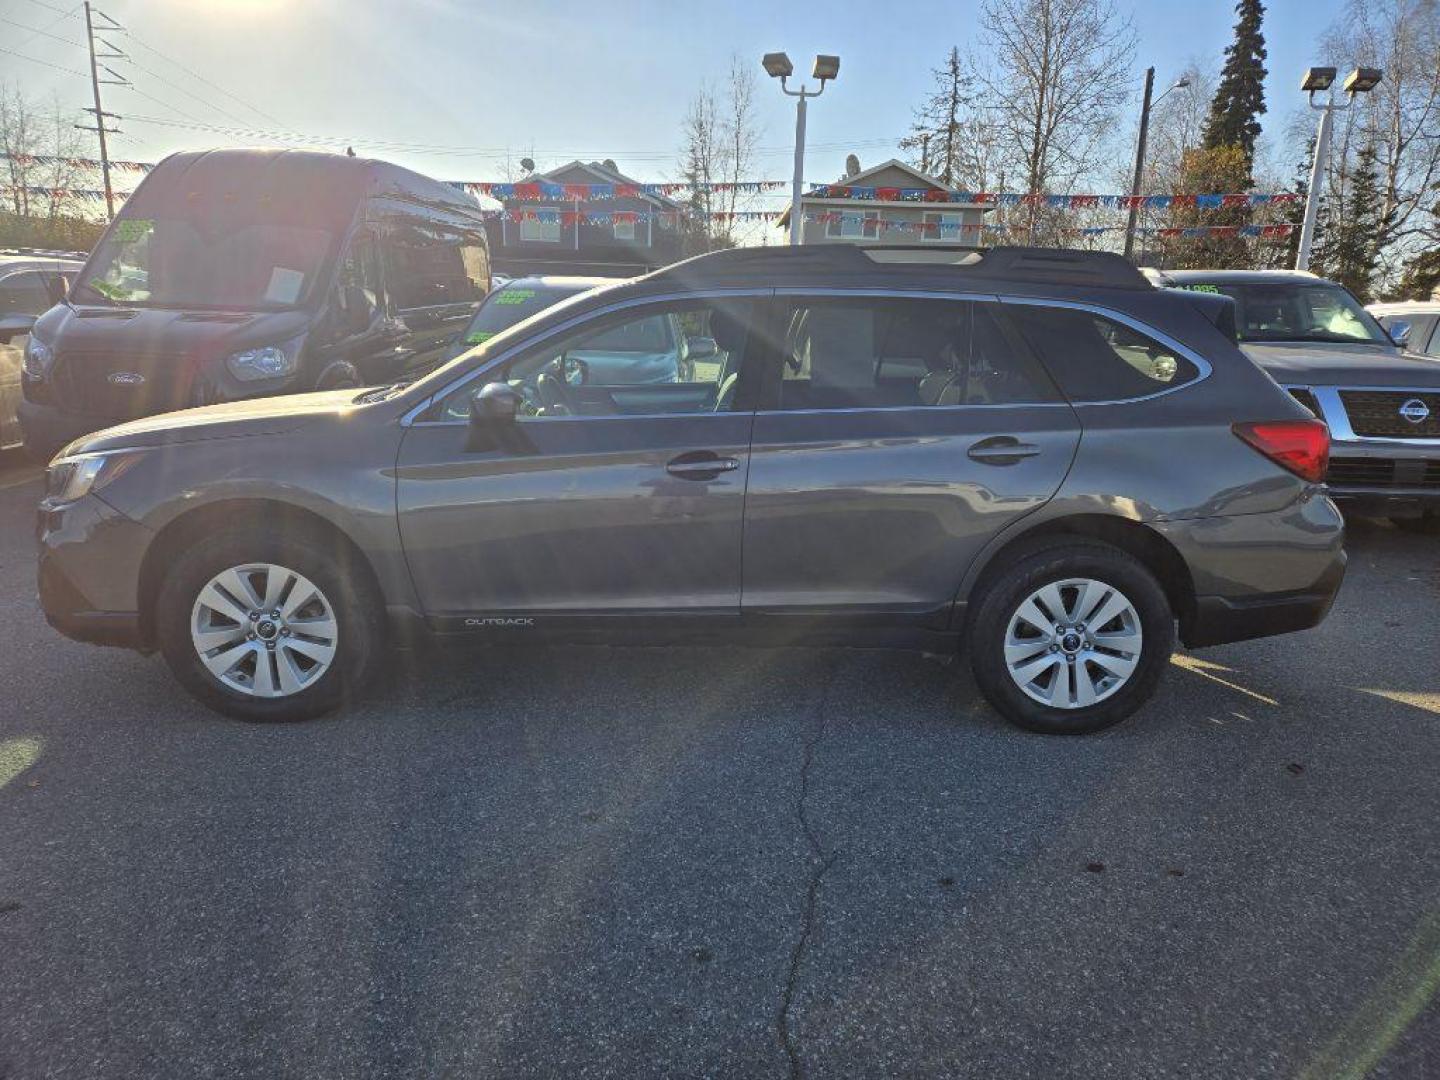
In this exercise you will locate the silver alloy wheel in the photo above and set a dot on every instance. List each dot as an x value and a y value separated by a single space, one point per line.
1073 643
264 630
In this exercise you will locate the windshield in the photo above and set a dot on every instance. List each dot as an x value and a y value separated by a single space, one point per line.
509 305
1296 311
180 263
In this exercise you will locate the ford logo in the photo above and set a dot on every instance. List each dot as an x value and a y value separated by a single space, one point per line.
134 378
1415 410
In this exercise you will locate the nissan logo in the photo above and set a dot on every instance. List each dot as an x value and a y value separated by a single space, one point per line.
1415 410
134 378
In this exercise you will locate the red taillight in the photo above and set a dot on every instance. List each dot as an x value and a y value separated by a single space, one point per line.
1302 446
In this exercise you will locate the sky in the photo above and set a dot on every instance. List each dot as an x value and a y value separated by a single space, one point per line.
466 84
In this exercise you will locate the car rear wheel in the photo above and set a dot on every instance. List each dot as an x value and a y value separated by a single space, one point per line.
1071 637
267 627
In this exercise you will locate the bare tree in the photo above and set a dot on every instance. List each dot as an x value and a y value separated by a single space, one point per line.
1051 72
719 137
20 140
42 149
1400 118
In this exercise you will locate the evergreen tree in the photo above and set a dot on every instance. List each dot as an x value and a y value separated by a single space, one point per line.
1240 98
1356 228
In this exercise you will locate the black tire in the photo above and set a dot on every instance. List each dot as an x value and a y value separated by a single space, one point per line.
1006 588
329 564
1428 524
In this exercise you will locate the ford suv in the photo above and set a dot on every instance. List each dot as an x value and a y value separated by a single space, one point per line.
1381 402
1034 453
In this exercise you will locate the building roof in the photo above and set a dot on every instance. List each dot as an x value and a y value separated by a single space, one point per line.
603 174
925 179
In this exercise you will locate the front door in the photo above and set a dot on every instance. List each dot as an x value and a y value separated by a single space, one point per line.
895 437
617 493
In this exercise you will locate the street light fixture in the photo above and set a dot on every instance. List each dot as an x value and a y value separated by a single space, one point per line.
1145 108
1320 80
826 68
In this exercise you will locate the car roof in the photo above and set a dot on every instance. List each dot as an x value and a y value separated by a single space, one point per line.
947 268
1237 277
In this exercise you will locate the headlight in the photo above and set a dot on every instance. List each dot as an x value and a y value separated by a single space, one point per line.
71 478
266 362
37 358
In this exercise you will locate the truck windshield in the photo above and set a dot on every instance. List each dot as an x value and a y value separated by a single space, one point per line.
183 263
1289 311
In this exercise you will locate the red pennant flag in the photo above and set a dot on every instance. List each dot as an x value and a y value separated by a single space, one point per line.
888 194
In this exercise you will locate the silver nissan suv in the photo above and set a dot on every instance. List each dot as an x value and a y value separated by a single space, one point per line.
1033 454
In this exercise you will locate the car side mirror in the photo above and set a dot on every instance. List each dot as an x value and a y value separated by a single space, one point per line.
13 326
1399 331
701 348
497 404
57 289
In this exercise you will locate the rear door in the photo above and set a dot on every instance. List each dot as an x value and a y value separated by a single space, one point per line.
896 435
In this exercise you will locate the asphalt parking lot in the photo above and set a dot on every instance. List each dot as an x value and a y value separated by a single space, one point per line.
728 862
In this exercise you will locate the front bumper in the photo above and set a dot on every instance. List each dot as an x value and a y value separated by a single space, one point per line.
1389 479
89 571
48 428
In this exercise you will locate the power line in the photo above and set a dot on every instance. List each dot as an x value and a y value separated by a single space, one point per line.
52 7
45 32
45 63
201 78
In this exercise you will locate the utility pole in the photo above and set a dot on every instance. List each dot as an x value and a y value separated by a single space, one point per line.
1139 163
100 113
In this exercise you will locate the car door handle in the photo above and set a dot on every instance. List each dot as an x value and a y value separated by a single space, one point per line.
701 465
1001 450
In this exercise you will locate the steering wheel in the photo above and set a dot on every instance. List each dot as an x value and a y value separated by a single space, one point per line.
553 394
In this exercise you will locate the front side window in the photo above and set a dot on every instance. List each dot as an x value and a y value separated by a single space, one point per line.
206 263
430 267
359 297
661 359
897 353
1095 358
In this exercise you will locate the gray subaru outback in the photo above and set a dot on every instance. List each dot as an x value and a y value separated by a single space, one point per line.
1034 453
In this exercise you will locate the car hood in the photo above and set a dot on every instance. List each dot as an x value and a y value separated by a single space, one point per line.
261 416
1325 363
96 328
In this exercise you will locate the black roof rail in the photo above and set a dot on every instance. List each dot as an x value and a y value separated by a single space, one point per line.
1056 266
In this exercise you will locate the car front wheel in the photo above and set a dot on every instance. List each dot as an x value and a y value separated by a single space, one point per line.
262 626
1071 637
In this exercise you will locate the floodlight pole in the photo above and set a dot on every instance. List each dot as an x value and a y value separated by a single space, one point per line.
1360 81
797 181
1317 177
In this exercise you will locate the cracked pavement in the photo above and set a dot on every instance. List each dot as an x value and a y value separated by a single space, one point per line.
700 862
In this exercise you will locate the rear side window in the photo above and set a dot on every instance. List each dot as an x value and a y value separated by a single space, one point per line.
1095 358
886 352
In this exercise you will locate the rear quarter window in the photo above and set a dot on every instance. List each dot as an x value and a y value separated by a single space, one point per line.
1095 358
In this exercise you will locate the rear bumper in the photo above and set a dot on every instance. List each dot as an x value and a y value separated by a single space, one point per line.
1254 575
1217 620
89 571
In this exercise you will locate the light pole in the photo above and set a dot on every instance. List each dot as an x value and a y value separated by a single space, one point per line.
778 66
1321 80
1140 150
